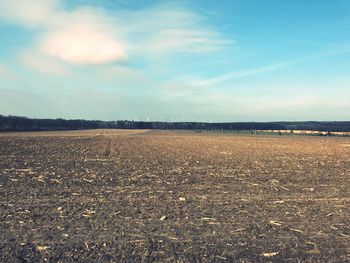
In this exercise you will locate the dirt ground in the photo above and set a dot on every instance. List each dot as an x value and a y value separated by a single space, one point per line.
143 196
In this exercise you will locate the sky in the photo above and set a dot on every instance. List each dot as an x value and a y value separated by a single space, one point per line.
183 60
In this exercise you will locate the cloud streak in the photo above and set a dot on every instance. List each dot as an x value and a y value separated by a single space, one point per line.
188 41
204 82
235 75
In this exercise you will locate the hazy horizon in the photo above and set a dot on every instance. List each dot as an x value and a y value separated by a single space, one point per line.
207 61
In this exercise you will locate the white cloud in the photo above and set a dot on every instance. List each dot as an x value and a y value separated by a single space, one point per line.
83 44
88 35
82 36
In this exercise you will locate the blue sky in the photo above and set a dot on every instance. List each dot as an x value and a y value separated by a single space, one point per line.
238 60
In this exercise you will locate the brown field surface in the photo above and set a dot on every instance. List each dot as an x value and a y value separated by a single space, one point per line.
143 196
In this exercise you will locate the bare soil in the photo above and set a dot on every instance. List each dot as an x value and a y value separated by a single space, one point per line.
143 196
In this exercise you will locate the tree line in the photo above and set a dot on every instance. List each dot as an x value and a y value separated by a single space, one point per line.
16 123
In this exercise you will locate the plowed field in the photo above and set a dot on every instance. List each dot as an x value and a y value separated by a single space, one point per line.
143 196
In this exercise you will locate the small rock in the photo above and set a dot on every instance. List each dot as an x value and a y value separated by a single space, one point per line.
162 218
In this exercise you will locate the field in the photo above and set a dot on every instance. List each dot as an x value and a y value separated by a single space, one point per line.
143 196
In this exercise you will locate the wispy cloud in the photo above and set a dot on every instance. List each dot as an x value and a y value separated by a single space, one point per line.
29 13
89 35
203 82
188 41
235 75
170 29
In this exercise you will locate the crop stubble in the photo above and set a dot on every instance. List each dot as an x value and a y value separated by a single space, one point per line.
114 195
